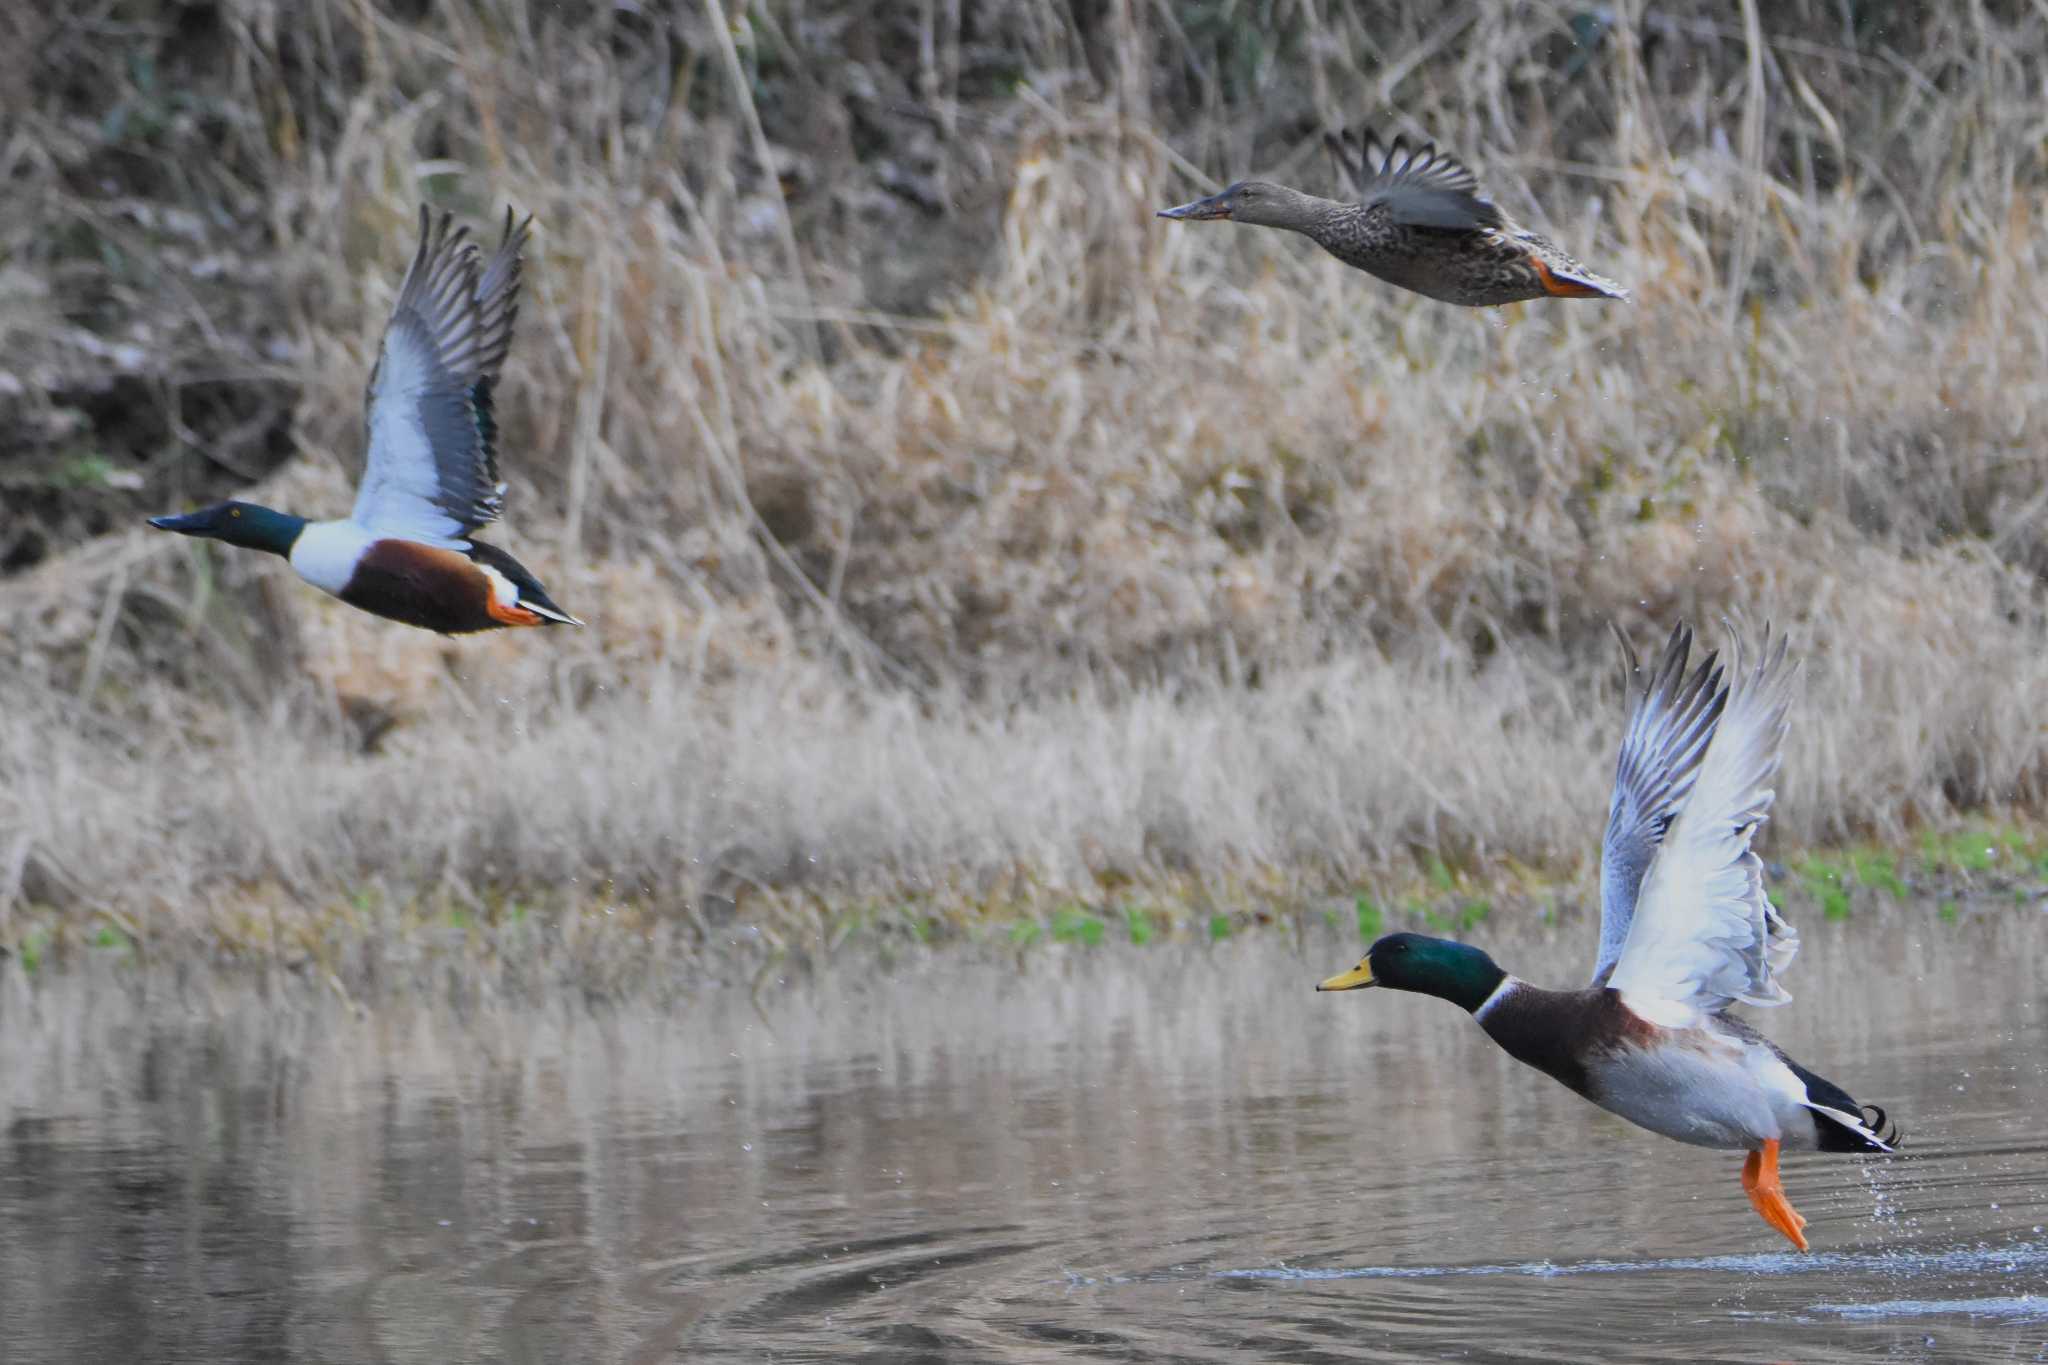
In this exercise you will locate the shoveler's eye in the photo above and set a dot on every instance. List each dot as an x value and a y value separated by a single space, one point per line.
234 511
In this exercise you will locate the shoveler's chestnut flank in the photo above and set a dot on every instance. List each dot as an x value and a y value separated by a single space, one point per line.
1420 221
1685 932
423 585
407 551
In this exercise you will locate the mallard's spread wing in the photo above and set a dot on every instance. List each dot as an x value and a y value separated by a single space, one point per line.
1704 935
1422 187
1671 718
432 471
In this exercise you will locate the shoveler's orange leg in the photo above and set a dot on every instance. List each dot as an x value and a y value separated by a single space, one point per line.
1760 1183
1563 289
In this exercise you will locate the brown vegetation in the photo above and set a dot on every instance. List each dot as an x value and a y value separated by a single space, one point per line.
948 526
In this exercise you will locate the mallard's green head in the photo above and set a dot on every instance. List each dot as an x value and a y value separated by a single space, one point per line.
238 523
1456 972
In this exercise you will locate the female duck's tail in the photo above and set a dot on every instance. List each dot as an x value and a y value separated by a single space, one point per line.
1574 281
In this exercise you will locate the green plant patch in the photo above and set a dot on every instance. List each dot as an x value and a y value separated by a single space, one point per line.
1879 870
1825 881
1372 922
1072 924
30 949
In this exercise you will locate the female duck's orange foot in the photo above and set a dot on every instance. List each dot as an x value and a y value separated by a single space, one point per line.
1767 1196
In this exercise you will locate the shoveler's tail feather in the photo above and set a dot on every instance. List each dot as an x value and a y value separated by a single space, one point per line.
532 596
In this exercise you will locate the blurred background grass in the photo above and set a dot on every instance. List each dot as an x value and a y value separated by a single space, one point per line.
948 527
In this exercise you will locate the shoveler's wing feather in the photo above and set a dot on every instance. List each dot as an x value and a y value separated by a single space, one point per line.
1704 935
1420 187
432 471
1671 718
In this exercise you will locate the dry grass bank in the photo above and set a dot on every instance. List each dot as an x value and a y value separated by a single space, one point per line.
947 525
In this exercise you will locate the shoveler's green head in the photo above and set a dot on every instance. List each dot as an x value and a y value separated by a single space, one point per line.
238 523
1457 972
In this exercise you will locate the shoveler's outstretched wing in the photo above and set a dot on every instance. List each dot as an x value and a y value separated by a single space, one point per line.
1704 934
432 471
1671 717
1422 187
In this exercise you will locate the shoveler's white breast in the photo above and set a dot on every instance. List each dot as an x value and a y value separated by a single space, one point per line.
326 553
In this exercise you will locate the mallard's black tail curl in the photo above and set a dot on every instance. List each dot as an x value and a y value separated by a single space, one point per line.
1837 1135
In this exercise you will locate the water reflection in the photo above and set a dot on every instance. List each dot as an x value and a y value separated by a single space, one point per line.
1167 1153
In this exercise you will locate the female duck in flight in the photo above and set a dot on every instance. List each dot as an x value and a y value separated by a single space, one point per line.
1417 218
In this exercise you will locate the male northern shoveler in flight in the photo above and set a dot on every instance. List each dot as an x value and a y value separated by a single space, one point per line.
1685 932
431 477
1420 221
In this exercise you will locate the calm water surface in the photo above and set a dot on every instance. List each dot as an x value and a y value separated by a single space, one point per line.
1116 1154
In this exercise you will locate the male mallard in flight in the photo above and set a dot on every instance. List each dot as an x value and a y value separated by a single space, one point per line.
1420 221
1685 932
431 477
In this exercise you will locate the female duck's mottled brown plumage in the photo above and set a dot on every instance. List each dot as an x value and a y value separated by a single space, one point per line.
1420 221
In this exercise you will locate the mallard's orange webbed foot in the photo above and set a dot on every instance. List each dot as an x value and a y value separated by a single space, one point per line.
1760 1183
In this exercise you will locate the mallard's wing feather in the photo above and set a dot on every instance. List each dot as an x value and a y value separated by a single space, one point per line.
1671 718
1704 935
432 471
1422 187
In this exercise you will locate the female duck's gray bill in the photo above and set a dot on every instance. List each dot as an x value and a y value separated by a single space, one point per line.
1215 206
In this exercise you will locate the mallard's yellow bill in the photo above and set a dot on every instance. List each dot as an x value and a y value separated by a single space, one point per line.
1358 976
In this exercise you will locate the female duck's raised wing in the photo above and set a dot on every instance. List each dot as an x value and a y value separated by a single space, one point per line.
1704 935
1671 718
432 470
1424 188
